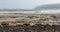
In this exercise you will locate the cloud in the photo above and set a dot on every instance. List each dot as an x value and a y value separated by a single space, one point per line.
24 4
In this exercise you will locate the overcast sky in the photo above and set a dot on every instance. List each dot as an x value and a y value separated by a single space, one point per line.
24 4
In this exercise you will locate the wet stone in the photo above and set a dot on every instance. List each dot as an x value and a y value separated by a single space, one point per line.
30 28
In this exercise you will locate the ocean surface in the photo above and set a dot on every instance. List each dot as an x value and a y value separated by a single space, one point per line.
38 11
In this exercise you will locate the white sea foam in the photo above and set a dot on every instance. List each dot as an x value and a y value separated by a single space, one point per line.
39 11
17 11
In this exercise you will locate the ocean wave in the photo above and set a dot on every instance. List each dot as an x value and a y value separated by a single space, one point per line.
39 11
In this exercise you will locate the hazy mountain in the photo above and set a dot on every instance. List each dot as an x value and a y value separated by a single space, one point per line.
41 7
48 6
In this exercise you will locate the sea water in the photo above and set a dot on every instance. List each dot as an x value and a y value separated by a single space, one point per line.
37 11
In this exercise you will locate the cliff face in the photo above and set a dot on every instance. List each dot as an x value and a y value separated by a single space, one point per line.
49 6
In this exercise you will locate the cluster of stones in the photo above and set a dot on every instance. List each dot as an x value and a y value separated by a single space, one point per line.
28 28
32 20
36 23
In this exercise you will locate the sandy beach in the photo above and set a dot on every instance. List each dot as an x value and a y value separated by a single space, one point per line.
29 22
51 19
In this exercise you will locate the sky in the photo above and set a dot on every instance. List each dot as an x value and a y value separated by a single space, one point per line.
24 4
